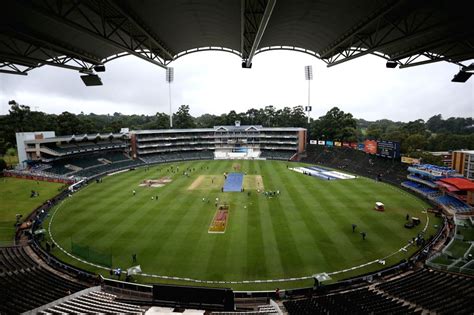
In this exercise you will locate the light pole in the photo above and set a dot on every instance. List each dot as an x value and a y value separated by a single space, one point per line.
169 79
308 72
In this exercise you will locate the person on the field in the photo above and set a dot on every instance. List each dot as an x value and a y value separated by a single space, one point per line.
134 192
407 217
354 227
363 235
134 258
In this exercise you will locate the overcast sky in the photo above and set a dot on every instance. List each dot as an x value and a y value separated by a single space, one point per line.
214 82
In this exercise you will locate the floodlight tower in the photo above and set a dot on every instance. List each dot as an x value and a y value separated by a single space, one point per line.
308 72
169 79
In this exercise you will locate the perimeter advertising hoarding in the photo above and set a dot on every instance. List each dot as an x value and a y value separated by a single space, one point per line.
354 145
370 146
329 143
321 142
313 141
361 147
390 149
409 160
337 144
346 144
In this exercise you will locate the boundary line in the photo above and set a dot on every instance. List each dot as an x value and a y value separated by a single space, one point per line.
402 249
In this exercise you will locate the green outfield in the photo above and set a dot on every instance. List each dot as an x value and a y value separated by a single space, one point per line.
304 230
15 199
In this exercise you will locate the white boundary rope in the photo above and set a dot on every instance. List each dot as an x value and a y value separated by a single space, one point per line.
402 249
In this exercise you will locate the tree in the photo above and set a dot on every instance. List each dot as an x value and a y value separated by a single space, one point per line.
416 126
435 123
335 125
298 117
19 116
414 142
68 124
182 118
3 164
206 121
269 114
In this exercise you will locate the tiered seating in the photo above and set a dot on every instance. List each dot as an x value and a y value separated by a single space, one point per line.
82 161
153 158
418 179
79 147
360 301
94 302
177 156
26 285
14 258
424 190
106 168
115 156
453 203
437 291
276 155
357 162
58 168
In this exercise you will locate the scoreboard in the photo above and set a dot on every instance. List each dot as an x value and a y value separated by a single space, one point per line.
390 149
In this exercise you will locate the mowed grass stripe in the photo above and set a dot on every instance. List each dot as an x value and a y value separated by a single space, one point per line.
271 250
289 257
302 201
306 229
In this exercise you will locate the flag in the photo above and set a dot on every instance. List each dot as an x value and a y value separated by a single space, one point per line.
134 270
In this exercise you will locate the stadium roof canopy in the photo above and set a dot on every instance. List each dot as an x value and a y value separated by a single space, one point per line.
83 35
459 183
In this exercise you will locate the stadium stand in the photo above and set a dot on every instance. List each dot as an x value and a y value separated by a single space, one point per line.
276 155
453 203
357 162
437 291
102 169
94 302
359 301
424 291
27 285
177 156
419 188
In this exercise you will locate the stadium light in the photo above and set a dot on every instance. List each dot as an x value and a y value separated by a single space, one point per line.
169 79
470 68
391 64
464 74
308 72
99 68
91 80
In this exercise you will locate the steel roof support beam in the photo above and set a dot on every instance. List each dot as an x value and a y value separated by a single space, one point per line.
12 69
40 40
361 49
155 42
111 29
453 58
254 22
428 46
390 34
60 62
348 37
35 56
